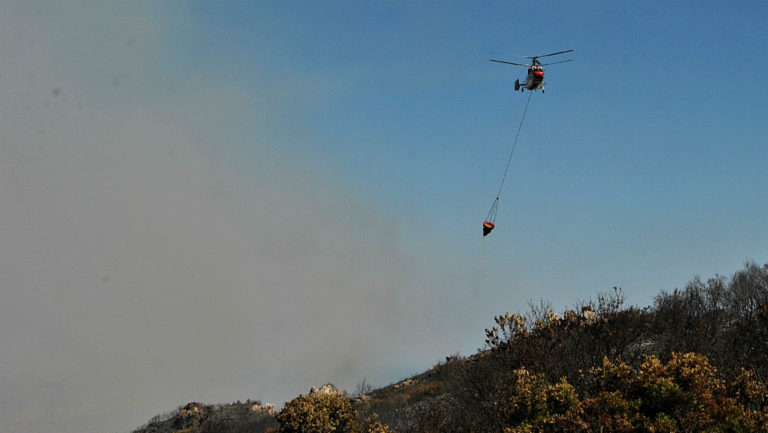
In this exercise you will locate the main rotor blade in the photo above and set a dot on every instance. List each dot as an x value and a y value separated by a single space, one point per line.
551 54
554 63
509 63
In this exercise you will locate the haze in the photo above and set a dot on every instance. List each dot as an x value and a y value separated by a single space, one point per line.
212 203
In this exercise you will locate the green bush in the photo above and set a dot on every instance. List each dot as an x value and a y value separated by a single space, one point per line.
318 413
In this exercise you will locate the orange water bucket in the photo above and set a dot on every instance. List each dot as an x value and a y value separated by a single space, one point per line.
487 227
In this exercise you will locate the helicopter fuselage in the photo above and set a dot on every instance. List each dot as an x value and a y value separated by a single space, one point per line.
535 79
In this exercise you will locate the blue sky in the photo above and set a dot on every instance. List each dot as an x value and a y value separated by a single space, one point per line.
642 165
213 201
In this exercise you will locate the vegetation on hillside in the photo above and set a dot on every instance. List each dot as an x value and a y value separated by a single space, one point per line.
719 327
694 361
683 394
326 412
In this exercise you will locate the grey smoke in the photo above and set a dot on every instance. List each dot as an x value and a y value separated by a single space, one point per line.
152 254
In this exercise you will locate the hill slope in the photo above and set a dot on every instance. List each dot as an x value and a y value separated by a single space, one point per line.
547 372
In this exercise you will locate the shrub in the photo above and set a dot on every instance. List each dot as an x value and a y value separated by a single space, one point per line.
318 413
374 425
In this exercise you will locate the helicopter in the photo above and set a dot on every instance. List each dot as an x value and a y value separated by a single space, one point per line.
535 79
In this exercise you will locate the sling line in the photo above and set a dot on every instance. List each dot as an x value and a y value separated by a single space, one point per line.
490 220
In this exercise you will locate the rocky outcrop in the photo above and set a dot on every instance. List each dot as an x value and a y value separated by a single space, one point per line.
326 390
250 417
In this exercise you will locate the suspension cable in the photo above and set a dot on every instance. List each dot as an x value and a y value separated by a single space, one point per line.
519 127
495 206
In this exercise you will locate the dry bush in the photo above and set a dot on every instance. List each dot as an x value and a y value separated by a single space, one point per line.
318 413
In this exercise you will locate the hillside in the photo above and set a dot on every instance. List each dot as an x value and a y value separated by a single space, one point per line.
248 417
697 359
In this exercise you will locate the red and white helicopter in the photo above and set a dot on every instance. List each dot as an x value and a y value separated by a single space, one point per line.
535 79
